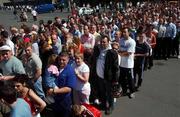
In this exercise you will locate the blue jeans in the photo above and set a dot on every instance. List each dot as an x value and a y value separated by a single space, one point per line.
38 88
139 70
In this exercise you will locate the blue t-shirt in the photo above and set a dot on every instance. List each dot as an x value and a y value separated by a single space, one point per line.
67 78
21 109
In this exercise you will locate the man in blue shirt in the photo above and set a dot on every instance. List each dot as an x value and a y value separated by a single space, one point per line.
169 37
65 83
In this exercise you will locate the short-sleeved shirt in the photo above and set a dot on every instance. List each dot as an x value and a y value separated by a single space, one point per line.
32 64
66 78
80 86
35 48
127 45
12 66
21 109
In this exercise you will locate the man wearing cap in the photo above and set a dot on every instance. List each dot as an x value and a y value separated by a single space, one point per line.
9 64
5 37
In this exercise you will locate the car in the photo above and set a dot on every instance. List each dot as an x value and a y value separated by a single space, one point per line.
45 8
85 11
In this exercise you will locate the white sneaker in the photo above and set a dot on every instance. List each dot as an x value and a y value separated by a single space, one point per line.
132 95
115 100
178 56
96 101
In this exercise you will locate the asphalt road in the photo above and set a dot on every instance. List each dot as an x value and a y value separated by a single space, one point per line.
159 95
8 19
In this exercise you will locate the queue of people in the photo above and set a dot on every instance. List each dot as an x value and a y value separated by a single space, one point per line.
87 60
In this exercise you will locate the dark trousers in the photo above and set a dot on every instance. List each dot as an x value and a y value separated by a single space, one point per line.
158 48
166 47
127 79
64 113
62 107
175 50
94 84
150 59
35 18
104 93
138 70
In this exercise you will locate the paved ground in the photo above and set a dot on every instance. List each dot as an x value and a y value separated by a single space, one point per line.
7 18
158 97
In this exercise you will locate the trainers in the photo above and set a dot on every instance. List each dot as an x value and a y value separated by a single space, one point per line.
96 101
132 95
115 100
178 56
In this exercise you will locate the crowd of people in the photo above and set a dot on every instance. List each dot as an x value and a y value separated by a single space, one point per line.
86 60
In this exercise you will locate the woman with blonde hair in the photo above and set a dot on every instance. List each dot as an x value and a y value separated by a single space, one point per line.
34 41
78 44
83 89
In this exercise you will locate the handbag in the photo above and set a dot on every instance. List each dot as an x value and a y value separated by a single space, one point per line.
116 90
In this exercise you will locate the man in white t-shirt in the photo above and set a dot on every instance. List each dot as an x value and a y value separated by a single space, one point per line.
34 14
127 49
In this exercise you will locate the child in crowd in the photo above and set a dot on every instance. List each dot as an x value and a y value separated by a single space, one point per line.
51 73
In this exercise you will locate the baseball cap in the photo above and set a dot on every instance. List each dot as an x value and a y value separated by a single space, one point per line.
5 47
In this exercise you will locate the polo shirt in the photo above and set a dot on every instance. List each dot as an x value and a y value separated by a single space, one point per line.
32 64
66 78
12 66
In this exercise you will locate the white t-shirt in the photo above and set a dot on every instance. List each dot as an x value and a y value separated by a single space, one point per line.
34 13
81 86
127 46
